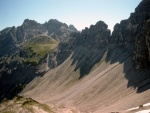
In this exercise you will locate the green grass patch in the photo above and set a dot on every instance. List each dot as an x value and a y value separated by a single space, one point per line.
37 48
29 103
26 104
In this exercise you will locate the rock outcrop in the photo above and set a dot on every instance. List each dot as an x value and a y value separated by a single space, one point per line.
134 31
148 38
97 36
142 53
72 28
58 30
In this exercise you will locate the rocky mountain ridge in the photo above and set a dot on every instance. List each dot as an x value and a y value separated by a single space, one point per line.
11 38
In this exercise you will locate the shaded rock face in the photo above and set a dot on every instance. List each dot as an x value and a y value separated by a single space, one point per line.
142 52
97 36
13 75
123 33
148 38
126 31
58 30
53 25
30 28
65 49
134 31
142 38
7 41
72 28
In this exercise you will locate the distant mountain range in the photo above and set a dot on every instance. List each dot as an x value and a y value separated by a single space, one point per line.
12 37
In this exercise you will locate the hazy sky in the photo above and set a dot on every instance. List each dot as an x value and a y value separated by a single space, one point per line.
80 13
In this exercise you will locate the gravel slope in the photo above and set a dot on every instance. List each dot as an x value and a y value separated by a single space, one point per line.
112 86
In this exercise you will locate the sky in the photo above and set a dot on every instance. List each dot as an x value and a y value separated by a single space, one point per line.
80 13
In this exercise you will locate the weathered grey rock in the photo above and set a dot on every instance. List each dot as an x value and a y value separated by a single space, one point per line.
96 36
142 52
72 28
148 38
133 31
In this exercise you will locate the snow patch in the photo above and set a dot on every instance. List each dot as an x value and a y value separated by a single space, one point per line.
144 111
132 109
148 104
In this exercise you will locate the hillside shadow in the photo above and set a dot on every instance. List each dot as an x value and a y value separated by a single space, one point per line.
139 79
13 83
85 60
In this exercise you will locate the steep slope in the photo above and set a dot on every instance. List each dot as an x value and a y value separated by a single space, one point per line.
110 87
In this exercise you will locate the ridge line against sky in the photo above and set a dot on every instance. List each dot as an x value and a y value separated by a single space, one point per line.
80 13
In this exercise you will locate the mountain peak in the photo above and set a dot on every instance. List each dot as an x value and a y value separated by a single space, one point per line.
72 28
30 23
26 20
53 21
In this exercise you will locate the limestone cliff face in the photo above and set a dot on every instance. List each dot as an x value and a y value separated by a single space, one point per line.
126 31
72 28
123 33
96 36
58 30
142 52
148 37
142 14
134 31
